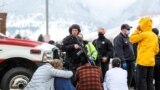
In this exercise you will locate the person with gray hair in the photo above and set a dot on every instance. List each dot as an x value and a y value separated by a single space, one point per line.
112 80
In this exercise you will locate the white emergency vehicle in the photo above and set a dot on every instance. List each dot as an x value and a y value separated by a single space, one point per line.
20 58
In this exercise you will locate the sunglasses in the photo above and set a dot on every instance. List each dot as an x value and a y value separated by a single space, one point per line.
128 29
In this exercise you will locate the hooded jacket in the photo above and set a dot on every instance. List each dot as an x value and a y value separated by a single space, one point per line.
43 77
147 42
91 50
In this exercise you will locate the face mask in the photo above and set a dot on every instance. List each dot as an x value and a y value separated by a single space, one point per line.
100 35
127 32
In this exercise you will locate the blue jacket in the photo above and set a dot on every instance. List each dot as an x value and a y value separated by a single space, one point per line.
63 84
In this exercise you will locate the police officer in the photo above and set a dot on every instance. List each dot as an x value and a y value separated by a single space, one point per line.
105 50
72 47
124 50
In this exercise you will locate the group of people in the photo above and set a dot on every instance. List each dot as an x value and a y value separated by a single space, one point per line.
87 63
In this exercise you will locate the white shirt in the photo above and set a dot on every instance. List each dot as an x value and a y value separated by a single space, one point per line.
115 79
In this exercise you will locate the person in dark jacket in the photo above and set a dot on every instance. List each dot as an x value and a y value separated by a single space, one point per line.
72 48
52 42
105 50
157 64
124 50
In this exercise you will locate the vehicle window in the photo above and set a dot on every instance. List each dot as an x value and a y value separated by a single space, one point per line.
1 37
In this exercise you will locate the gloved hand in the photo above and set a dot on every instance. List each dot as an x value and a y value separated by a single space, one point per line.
91 58
124 65
79 52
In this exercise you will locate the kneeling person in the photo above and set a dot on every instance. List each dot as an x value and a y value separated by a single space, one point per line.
88 77
43 78
116 78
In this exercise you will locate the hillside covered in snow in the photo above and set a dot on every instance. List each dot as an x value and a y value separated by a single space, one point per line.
27 17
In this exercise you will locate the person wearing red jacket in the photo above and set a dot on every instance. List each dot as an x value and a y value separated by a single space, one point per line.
88 77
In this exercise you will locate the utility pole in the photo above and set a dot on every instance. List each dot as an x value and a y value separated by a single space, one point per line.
47 36
47 32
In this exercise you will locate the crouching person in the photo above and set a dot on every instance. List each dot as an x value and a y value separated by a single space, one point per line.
43 78
115 78
63 84
88 77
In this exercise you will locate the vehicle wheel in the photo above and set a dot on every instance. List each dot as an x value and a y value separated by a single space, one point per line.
16 78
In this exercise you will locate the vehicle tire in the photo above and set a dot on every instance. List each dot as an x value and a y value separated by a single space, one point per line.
16 78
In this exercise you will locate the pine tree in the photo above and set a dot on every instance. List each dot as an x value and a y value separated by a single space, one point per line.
18 36
41 38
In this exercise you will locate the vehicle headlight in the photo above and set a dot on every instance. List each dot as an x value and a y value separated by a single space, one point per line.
47 56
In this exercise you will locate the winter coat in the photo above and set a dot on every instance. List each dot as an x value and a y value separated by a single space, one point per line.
147 43
115 79
91 50
104 47
123 48
72 57
158 55
89 77
63 84
43 78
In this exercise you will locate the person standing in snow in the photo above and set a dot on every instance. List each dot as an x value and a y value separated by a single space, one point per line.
123 49
147 49
105 50
157 64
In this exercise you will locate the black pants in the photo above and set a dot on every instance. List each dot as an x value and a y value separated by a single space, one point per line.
144 77
157 75
104 67
130 72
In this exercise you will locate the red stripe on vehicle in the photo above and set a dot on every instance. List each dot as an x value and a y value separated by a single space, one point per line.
1 60
17 42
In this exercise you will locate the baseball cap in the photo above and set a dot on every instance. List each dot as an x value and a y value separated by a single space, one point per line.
125 26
